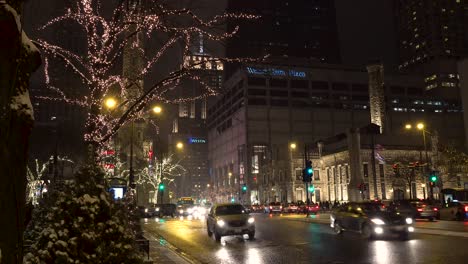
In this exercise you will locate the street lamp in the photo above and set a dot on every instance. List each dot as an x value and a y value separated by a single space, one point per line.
110 103
421 126
157 109
292 146
180 145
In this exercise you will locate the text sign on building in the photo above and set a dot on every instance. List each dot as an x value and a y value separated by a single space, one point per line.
197 141
276 72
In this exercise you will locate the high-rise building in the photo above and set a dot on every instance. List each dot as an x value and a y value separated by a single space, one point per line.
189 124
432 36
300 28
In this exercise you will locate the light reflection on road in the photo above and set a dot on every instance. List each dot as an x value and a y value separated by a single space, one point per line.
383 252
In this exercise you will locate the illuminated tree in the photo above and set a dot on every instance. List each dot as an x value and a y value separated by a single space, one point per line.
165 171
108 39
38 176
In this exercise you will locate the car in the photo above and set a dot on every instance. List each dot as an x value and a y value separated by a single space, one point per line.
455 210
229 219
415 209
291 208
274 207
256 208
162 210
371 220
312 208
302 207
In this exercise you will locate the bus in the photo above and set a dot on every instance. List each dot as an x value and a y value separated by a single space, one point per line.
185 205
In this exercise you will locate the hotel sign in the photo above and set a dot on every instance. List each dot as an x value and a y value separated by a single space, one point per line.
276 72
197 140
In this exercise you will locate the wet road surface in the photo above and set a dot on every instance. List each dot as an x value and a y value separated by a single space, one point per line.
279 240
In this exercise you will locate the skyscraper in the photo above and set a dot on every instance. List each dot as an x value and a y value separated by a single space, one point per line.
300 28
432 36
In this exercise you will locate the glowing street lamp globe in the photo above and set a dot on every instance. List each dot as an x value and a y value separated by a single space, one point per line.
157 109
420 126
111 103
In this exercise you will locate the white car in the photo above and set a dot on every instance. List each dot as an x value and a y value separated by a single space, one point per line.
229 219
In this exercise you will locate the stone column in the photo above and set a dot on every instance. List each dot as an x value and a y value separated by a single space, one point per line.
354 149
377 94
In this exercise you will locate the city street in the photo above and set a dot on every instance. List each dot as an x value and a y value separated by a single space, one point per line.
288 239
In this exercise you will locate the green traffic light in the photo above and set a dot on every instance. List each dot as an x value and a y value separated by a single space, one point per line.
433 178
244 188
310 171
311 188
161 187
233 200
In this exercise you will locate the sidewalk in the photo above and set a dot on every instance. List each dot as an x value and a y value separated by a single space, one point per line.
163 252
446 228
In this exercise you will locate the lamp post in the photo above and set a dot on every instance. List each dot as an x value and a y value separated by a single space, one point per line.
421 126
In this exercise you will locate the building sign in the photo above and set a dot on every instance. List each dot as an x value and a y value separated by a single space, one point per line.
276 72
197 141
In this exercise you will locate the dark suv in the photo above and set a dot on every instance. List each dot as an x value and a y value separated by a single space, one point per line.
370 220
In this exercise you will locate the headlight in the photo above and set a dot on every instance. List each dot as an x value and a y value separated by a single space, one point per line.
378 221
251 220
220 223
181 211
146 210
157 209
190 210
409 221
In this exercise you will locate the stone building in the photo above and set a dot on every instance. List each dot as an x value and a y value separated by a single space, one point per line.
268 106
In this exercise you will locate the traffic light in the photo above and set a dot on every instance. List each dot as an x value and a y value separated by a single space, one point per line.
161 187
433 176
244 188
395 168
308 172
311 188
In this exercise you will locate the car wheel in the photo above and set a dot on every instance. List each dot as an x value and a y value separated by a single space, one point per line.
337 228
404 235
217 236
366 232
251 235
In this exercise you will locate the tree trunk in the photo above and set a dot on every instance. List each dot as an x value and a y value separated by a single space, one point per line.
18 58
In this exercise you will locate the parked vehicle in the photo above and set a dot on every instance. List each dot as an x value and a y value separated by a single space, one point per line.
455 210
229 219
415 209
274 207
257 208
312 208
291 208
370 220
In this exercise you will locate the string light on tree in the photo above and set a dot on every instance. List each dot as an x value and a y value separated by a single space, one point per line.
105 42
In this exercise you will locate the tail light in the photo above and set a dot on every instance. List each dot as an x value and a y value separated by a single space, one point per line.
466 208
419 209
271 207
316 207
281 207
435 209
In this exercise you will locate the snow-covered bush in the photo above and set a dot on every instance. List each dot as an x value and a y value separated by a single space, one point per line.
79 222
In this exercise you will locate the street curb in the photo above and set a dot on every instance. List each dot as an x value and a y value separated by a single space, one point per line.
172 248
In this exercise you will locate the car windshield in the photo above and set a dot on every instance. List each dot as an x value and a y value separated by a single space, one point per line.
230 209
